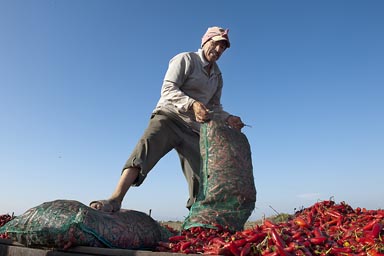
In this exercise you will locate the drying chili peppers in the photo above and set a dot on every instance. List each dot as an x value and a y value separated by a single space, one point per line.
326 228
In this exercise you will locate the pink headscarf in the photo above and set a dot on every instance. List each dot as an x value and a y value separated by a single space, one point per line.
216 34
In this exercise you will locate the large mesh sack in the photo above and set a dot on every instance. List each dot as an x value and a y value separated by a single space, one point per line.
227 192
66 223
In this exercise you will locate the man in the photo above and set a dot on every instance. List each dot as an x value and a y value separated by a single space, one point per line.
190 95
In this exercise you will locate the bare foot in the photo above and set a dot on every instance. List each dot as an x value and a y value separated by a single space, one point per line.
109 205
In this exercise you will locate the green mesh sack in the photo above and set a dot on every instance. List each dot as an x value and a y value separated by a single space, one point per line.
65 223
227 194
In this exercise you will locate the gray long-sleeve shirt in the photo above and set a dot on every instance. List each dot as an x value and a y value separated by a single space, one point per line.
185 82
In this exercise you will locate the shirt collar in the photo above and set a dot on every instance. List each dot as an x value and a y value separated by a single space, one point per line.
203 60
206 63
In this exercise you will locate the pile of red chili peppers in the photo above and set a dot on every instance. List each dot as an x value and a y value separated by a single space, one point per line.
326 228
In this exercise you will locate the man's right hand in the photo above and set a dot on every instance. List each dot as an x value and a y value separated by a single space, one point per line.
201 112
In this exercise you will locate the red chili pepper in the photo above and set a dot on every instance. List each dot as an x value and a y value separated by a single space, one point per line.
269 224
297 235
289 249
256 238
301 222
317 232
333 214
318 240
240 242
340 250
376 229
330 223
176 238
309 218
232 248
185 245
370 225
277 239
249 232
246 249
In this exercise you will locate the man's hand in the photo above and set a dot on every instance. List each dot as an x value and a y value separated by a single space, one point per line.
235 122
201 112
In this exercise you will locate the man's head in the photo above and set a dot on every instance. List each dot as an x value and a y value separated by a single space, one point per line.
216 34
214 43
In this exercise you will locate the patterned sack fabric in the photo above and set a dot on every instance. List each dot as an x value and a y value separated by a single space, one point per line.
227 194
65 223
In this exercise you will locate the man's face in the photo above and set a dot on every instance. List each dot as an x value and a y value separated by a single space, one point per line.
213 50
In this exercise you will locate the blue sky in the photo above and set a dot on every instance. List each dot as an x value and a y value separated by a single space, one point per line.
79 79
